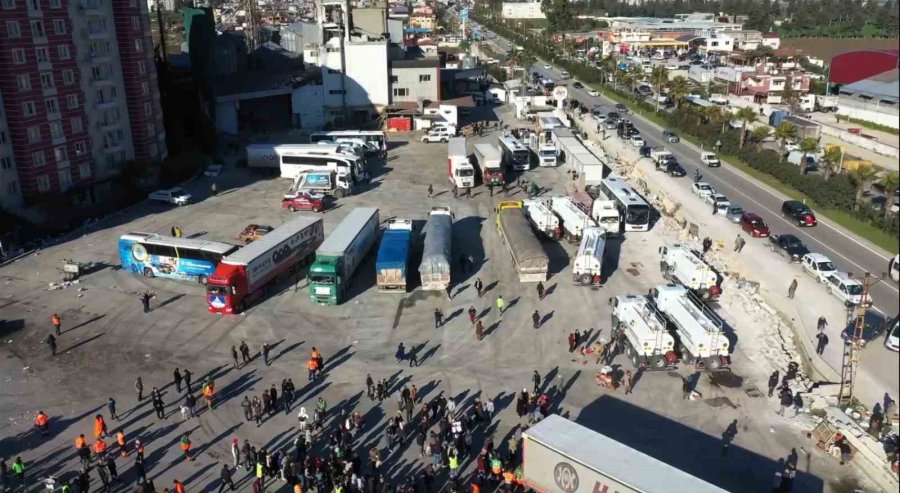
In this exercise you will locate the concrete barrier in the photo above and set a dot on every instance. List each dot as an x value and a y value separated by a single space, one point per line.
860 141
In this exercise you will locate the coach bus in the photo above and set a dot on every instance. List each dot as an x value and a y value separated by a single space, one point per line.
515 154
184 259
634 211
376 139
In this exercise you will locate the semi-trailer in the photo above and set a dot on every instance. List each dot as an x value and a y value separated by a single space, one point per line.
338 257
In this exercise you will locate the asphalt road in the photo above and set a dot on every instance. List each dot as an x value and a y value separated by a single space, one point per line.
847 252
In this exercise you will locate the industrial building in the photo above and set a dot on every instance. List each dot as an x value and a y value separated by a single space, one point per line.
869 85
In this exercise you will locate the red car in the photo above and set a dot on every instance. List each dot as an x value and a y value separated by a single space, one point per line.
753 224
303 202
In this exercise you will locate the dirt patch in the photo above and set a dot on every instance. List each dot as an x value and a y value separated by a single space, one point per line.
826 48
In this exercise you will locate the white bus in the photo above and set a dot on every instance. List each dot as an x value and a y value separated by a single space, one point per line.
634 211
185 259
293 159
515 154
374 138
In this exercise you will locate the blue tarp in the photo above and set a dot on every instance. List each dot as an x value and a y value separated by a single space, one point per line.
394 249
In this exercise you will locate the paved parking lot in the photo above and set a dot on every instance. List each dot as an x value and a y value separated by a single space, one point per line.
107 342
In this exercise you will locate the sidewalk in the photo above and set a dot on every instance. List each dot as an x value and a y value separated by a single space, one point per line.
757 263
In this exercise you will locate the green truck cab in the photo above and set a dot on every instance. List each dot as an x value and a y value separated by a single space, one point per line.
338 257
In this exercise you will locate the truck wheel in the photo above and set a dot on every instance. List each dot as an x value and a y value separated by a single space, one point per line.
712 363
339 193
585 279
292 209
635 360
203 280
148 272
687 357
629 351
658 362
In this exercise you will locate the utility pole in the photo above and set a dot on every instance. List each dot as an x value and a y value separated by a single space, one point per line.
853 347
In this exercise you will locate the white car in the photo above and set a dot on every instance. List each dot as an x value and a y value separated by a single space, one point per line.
817 265
177 196
594 93
636 141
440 135
715 198
892 341
547 66
702 189
845 288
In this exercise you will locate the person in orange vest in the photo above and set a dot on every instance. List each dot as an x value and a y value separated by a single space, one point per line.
508 479
84 452
475 487
123 444
311 366
208 396
186 447
42 421
99 447
57 323
179 486
99 427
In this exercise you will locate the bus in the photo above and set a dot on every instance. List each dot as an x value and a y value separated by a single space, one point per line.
374 138
184 259
293 159
634 211
515 154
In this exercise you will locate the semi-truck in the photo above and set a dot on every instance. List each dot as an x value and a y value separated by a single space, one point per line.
700 335
242 277
393 256
529 259
648 343
678 262
434 270
574 219
587 269
542 218
459 170
602 211
559 455
490 164
338 257
331 183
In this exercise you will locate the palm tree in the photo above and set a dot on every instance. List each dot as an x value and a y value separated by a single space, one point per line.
759 134
889 182
678 89
607 68
861 175
807 146
746 116
637 73
832 158
785 131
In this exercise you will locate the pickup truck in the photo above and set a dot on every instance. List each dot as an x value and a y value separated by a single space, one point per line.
177 196
789 246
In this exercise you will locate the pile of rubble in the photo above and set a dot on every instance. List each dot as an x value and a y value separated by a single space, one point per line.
56 286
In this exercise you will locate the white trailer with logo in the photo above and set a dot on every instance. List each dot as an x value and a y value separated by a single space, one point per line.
559 455
648 343
700 331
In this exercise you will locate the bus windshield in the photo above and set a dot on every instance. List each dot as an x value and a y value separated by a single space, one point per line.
637 214
326 279
520 156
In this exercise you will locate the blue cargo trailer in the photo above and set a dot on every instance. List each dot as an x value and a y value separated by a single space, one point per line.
393 256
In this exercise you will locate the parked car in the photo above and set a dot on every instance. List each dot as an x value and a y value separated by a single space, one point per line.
254 232
441 135
177 196
817 265
645 150
674 169
621 108
892 341
734 213
715 198
636 140
798 212
789 246
702 189
304 202
671 137
753 224
847 289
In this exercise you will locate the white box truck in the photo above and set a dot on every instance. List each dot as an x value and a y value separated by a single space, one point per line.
561 456
700 332
648 343
587 269
460 171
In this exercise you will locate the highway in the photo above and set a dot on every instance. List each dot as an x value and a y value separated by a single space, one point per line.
846 251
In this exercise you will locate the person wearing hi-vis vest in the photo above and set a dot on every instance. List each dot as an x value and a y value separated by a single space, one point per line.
185 443
42 421
453 460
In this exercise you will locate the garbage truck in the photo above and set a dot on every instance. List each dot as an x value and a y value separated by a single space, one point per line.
529 259
559 455
574 219
648 343
700 335
331 183
542 218
587 269
341 254
434 270
680 263
242 277
393 256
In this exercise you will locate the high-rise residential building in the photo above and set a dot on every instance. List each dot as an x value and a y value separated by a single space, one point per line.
79 95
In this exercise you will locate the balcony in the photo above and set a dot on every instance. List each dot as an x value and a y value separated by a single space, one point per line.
114 147
107 126
95 34
98 58
105 104
90 7
101 81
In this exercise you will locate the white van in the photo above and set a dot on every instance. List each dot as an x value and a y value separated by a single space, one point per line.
845 288
564 74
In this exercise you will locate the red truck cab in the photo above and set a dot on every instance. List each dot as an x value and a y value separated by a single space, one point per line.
226 289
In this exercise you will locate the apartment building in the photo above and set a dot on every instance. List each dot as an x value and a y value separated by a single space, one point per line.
80 98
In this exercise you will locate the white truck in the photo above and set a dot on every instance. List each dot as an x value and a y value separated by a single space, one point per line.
176 196
490 164
678 262
543 143
331 183
710 159
659 156
562 456
700 334
574 219
648 343
587 269
460 171
602 211
542 218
